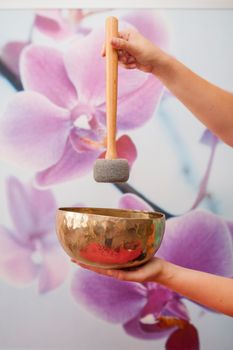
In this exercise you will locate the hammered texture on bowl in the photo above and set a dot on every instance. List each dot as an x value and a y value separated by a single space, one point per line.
109 238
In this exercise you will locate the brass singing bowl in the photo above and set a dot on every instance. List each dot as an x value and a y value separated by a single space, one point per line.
109 238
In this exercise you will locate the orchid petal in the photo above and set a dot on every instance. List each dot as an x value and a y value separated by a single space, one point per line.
33 131
110 299
20 208
137 107
150 24
54 269
51 23
131 201
185 338
87 139
42 70
158 296
86 69
161 302
71 165
175 308
206 236
16 265
43 208
126 149
32 211
137 329
142 102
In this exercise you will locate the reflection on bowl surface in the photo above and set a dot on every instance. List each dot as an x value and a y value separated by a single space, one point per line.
109 238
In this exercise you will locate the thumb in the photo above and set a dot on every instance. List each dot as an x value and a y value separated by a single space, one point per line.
122 44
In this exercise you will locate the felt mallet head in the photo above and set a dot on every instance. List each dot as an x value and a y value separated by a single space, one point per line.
111 170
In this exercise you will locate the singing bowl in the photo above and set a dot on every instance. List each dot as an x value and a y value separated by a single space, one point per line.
109 238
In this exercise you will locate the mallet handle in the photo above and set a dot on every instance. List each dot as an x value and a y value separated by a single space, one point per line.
111 30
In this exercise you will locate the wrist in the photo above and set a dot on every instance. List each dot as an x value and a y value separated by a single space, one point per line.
167 272
162 64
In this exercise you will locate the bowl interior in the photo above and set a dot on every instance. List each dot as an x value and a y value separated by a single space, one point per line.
117 213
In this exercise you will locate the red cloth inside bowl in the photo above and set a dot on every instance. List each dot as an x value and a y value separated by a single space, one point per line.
97 253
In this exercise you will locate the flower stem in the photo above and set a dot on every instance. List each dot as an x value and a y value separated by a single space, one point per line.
126 188
202 193
10 76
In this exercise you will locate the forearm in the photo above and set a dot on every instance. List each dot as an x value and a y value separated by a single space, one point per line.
215 292
210 104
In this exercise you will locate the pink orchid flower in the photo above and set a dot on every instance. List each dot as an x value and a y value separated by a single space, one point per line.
149 310
57 125
59 25
51 23
30 250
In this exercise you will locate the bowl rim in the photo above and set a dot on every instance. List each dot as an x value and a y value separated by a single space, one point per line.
151 215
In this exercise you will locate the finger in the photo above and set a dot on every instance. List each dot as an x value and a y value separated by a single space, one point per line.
123 59
123 275
121 44
131 66
101 271
124 35
128 66
118 274
120 53
131 59
127 55
131 276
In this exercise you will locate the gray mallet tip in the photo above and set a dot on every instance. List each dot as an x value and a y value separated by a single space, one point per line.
111 170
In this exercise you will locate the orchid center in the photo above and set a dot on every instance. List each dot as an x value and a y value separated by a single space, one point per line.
81 122
148 319
89 135
82 115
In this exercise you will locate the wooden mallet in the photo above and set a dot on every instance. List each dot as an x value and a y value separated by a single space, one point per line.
111 169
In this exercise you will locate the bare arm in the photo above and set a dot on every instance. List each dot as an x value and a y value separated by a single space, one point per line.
214 292
210 104
214 108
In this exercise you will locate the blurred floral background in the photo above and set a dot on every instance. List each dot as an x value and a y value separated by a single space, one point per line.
52 128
